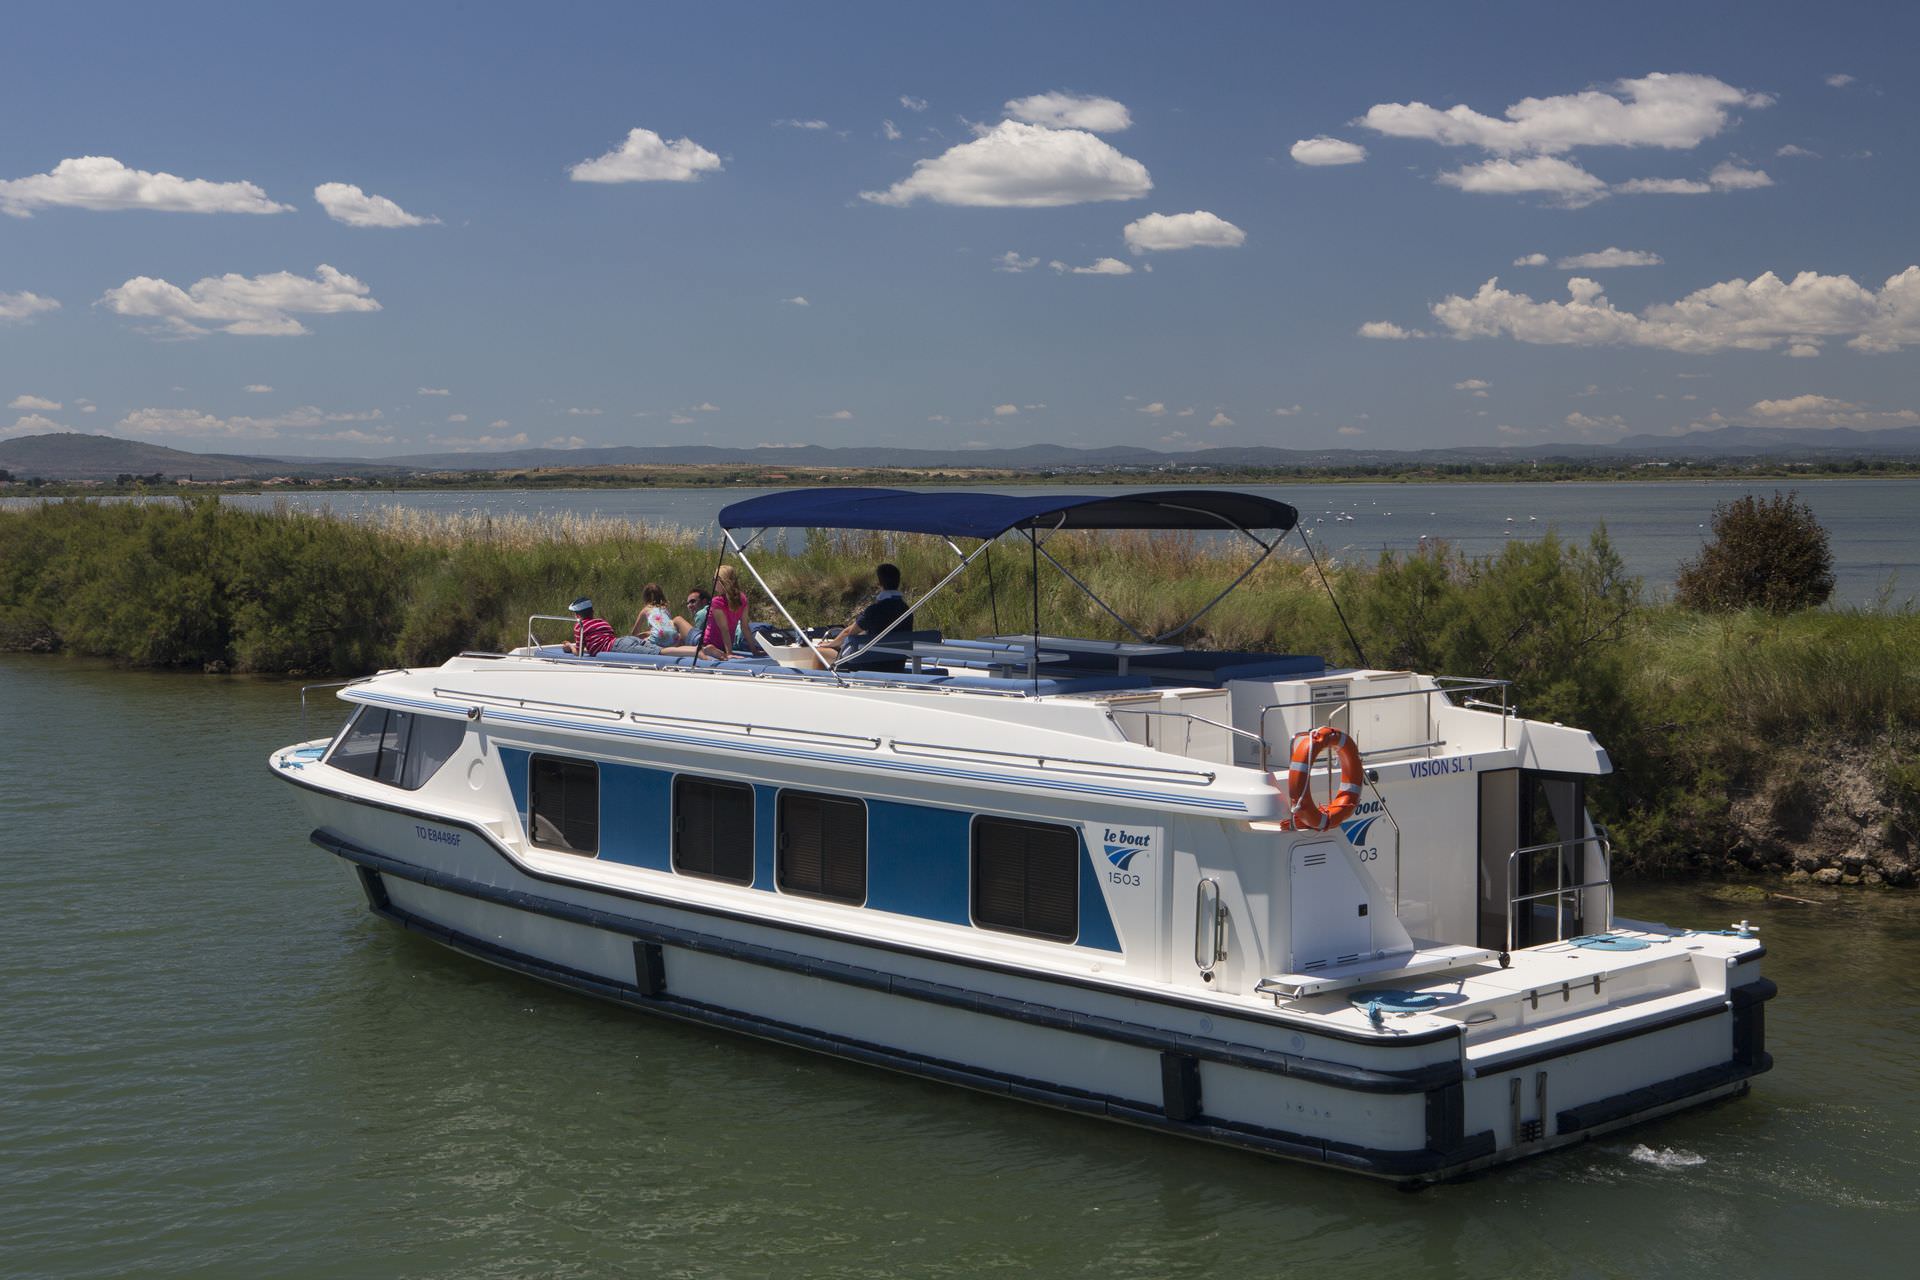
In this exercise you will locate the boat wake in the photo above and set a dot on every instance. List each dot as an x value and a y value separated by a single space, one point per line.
1665 1157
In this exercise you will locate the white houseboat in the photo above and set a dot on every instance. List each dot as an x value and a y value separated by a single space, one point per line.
1349 916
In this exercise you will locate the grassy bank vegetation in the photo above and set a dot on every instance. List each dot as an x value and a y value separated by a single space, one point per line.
1696 710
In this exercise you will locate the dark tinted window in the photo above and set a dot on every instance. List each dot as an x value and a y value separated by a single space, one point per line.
823 846
713 829
396 747
563 802
1026 878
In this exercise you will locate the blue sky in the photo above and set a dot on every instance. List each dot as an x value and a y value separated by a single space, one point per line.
1217 283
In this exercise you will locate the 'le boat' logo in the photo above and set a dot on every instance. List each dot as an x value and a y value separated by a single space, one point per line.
1356 829
1123 845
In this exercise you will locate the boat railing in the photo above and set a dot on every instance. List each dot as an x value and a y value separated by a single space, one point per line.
532 618
1044 762
1561 891
308 688
1055 764
1445 687
1190 718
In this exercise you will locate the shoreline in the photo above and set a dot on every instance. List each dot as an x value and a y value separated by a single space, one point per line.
722 478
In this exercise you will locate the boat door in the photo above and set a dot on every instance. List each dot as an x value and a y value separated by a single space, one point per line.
1532 839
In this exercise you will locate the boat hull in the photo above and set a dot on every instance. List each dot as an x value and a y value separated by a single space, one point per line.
1407 1109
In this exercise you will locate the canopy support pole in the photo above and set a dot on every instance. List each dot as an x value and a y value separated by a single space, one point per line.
1089 590
1033 655
781 606
935 590
1266 551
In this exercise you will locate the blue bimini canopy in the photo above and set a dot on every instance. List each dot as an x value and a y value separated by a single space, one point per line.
955 514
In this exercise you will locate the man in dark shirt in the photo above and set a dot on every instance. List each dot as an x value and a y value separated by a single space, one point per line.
881 612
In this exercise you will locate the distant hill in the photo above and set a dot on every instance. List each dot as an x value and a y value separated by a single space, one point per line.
75 456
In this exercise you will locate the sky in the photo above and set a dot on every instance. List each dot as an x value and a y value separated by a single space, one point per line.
378 230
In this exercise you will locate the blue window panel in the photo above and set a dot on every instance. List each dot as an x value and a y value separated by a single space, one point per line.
1096 922
918 860
766 834
636 808
514 761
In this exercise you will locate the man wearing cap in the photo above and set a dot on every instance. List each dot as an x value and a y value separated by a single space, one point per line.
591 635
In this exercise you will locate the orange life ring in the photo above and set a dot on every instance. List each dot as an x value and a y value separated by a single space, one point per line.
1307 814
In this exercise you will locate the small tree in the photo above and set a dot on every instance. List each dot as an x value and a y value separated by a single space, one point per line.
1766 553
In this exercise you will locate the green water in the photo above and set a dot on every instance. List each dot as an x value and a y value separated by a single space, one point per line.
214 1062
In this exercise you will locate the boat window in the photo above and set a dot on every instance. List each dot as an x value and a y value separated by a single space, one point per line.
823 846
563 804
1026 878
713 829
398 748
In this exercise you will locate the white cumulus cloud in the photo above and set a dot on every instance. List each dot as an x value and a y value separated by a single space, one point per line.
1827 411
1161 231
1676 112
1839 80
812 126
1005 410
257 388
347 203
1531 260
1014 263
308 422
103 183
890 131
433 391
1601 259
577 412
912 103
1547 175
34 402
840 415
1154 410
1728 176
1386 330
1027 166
1071 111
263 305
1323 150
31 424
24 306
1287 411
1662 187
1098 267
1763 314
1797 152
647 157
1219 419
797 300
1472 384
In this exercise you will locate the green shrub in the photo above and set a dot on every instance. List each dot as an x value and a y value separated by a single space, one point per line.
1765 554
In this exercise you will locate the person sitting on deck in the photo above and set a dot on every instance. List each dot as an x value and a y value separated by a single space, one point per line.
881 612
696 620
591 635
722 624
653 626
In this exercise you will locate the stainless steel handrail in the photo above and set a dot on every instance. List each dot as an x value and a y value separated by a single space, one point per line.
1561 888
1058 764
747 729
1196 718
545 617
529 704
329 684
1446 686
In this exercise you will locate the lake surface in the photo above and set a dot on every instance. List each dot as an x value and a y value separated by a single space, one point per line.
1874 524
215 1063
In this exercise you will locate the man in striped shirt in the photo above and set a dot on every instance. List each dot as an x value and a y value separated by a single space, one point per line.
591 635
